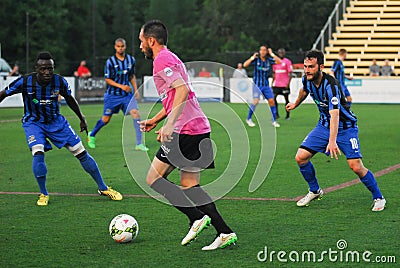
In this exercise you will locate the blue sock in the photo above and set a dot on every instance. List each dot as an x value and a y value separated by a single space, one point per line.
251 111
137 129
370 182
97 127
273 111
40 171
308 172
90 166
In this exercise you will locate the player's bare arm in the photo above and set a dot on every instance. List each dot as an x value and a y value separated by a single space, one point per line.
135 89
302 96
276 58
149 124
115 84
181 94
332 147
250 60
73 104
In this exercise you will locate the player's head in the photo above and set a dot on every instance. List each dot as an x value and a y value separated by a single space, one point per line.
44 66
342 53
281 53
83 63
153 34
263 50
313 64
120 46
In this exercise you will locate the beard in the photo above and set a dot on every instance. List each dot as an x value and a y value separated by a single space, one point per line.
148 53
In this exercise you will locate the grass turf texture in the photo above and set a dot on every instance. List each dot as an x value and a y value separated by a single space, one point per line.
73 230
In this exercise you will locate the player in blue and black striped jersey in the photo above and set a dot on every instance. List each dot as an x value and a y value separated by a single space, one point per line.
262 63
119 73
42 122
337 71
336 130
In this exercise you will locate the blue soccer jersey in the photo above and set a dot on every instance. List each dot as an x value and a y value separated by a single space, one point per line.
329 96
120 72
338 70
40 102
262 70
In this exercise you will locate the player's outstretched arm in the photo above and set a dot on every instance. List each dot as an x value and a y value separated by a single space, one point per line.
302 96
250 60
73 104
276 58
148 124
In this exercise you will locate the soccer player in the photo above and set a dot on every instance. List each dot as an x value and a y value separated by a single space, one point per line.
281 81
262 63
337 71
186 129
42 122
336 130
119 72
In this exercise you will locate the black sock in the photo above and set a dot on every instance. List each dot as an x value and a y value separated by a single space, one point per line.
177 198
205 203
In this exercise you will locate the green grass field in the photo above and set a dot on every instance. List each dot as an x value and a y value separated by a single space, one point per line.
73 230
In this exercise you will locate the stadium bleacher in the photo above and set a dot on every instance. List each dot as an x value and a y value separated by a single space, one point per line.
369 30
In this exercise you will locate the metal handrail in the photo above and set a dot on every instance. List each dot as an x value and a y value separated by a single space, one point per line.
328 25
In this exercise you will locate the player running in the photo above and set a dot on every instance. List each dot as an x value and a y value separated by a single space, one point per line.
186 129
42 122
336 130
262 63
281 81
337 71
119 73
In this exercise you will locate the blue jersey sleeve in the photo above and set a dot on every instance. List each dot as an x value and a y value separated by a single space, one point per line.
15 87
65 89
333 96
133 70
109 70
271 60
335 66
304 81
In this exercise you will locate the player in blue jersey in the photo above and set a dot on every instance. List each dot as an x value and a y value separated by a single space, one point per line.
337 71
119 73
262 63
336 130
42 122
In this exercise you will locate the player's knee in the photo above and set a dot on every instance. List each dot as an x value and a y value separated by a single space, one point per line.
255 101
301 160
271 102
37 149
135 113
357 167
105 119
77 149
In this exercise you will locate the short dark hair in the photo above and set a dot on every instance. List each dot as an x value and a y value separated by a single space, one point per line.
342 51
315 53
44 55
157 30
120 40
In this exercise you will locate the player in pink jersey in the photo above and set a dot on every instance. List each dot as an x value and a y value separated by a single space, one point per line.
185 140
281 81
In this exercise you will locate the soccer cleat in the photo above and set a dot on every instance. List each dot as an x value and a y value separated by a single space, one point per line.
276 124
43 200
196 228
141 147
91 141
114 195
379 204
222 241
250 123
310 197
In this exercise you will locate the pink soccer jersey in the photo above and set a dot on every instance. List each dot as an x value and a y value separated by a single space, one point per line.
167 68
281 72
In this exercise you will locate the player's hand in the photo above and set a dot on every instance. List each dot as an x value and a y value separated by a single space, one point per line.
166 133
126 88
137 95
270 51
290 106
333 150
147 125
83 126
159 133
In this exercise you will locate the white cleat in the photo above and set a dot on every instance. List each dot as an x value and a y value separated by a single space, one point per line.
379 204
250 123
310 197
222 241
197 227
276 124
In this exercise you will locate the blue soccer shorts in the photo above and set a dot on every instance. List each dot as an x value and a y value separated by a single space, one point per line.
265 90
113 104
347 141
346 91
59 132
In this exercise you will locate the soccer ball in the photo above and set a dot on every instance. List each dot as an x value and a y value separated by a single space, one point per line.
123 228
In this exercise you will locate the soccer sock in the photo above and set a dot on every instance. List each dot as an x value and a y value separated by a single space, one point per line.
97 127
308 172
137 129
273 111
177 198
90 166
370 182
205 204
40 171
251 111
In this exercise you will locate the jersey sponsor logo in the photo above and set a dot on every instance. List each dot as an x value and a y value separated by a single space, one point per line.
163 95
168 72
45 102
335 101
31 139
